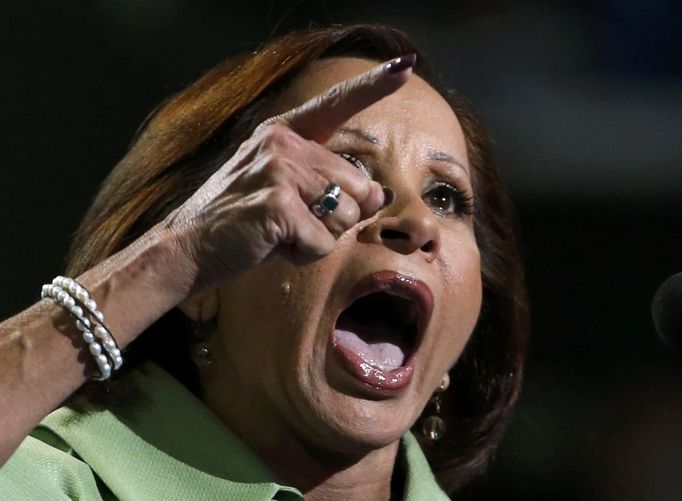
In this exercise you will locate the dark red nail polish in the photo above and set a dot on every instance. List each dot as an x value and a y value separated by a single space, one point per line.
389 195
401 63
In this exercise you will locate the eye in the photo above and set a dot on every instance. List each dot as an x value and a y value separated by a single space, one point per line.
448 200
358 163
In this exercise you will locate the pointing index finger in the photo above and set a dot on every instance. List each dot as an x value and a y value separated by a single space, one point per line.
319 118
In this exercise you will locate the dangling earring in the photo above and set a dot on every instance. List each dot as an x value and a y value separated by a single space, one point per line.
200 352
433 427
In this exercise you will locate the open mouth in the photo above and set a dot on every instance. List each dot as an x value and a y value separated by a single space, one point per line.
381 328
377 335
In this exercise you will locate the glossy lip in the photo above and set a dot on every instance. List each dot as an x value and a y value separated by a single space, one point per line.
403 286
390 381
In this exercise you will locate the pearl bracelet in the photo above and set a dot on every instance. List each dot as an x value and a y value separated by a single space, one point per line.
89 320
101 331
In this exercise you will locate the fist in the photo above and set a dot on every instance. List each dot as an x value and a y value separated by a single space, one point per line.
258 204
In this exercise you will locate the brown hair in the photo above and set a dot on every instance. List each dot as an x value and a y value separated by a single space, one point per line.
187 138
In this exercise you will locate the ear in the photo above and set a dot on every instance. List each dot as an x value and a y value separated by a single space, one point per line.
201 307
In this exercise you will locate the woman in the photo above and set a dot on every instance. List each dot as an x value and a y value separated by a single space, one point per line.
341 254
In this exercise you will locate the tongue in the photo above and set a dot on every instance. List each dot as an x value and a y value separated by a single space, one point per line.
382 355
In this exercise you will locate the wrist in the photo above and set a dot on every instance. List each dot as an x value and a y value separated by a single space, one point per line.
142 282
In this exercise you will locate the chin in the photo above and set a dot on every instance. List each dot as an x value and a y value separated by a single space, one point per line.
352 425
377 433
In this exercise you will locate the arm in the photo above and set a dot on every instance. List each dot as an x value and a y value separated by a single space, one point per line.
257 205
42 360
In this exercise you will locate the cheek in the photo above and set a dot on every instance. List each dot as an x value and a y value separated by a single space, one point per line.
281 304
254 312
461 273
461 267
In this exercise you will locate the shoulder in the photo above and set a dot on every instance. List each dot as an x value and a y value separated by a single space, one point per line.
44 468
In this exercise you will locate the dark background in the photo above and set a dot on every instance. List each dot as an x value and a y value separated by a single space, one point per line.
584 102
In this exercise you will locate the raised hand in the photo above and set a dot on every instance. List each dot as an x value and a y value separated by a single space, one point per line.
258 203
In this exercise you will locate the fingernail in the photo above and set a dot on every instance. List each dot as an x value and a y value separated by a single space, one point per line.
401 63
389 195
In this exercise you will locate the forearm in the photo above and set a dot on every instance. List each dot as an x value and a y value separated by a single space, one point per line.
42 360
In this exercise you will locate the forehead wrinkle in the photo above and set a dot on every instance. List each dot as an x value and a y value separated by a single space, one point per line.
400 146
420 146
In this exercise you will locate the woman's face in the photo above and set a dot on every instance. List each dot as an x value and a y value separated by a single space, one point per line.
344 353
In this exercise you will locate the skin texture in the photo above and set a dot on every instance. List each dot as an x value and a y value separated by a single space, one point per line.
274 379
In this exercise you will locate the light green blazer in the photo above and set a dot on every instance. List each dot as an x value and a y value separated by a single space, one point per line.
168 446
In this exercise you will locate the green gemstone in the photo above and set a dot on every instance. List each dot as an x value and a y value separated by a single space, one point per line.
329 203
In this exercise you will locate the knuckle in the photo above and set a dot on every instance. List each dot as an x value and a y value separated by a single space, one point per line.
270 166
278 169
263 127
274 231
278 136
280 199
258 130
366 79
277 220
333 96
244 147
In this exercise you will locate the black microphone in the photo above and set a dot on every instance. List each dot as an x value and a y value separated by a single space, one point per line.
666 310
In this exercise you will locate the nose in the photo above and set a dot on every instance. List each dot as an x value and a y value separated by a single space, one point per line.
406 226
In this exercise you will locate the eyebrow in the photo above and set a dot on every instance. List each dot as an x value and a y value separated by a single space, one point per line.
434 155
441 156
361 134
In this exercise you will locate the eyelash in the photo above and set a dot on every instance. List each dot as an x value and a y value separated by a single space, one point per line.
462 201
358 163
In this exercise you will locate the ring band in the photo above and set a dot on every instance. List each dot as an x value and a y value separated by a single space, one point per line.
328 202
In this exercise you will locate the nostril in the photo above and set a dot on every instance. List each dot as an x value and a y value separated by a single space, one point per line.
394 235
